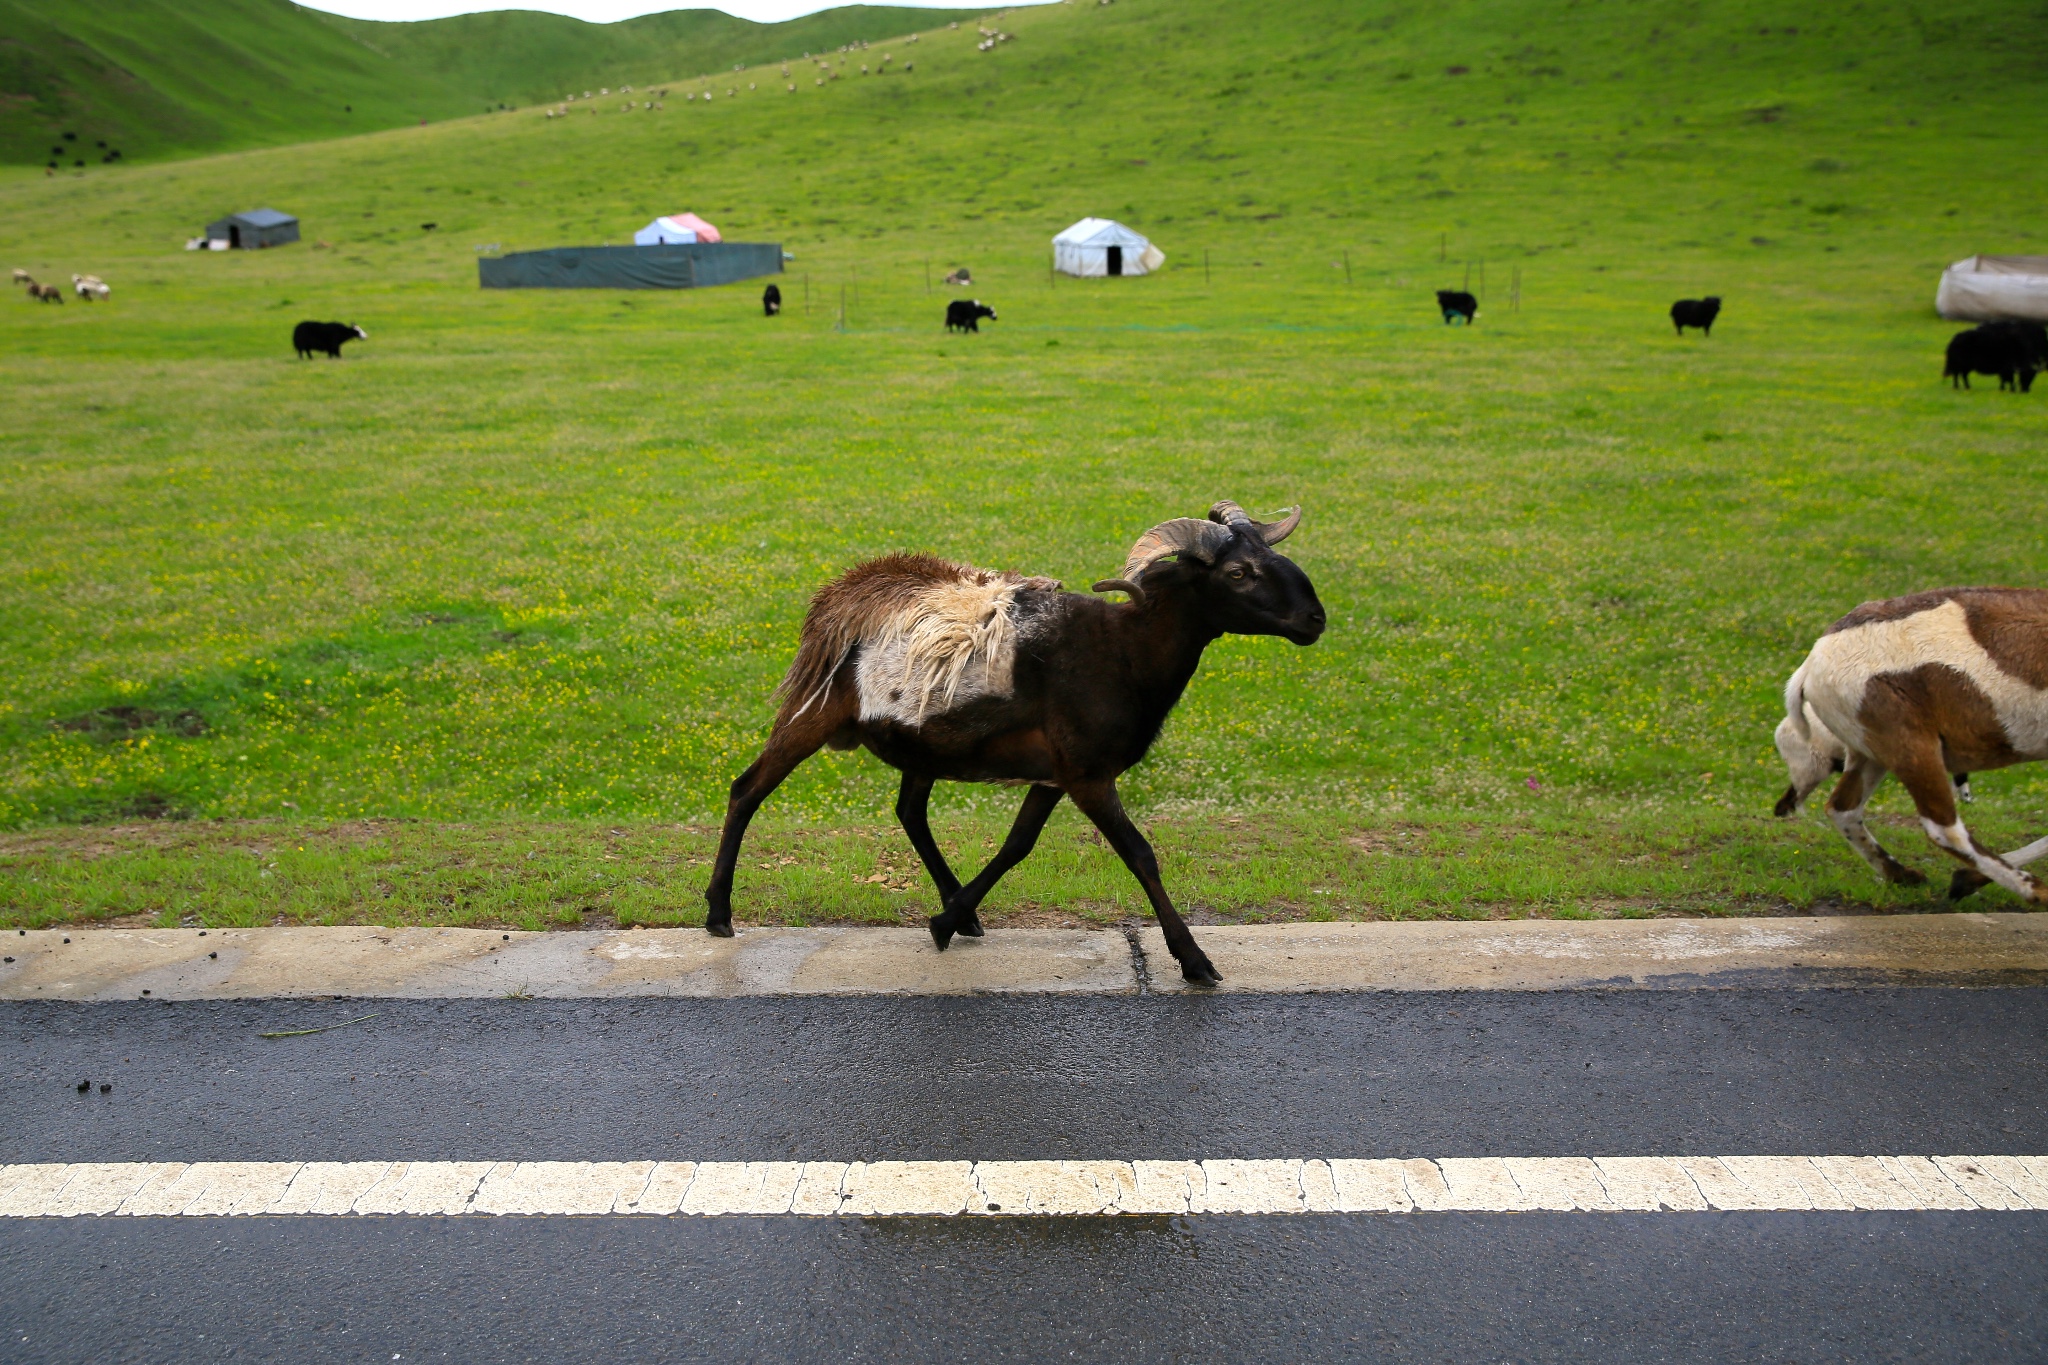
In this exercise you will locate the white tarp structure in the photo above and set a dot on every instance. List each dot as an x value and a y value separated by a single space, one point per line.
1101 246
1995 289
681 229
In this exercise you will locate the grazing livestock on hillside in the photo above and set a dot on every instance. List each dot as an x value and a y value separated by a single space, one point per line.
949 673
45 293
1698 313
961 276
965 315
23 277
771 300
1951 680
91 287
1456 303
2005 349
309 337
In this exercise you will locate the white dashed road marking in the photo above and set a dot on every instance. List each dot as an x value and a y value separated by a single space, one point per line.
1002 1188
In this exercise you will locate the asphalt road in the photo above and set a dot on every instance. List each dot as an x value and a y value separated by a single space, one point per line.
1561 1073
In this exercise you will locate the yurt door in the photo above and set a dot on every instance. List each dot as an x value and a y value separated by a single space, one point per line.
1116 260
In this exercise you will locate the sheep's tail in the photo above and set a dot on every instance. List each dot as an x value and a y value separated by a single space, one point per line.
1795 704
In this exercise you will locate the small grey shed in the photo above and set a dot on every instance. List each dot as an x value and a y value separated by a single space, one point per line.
256 228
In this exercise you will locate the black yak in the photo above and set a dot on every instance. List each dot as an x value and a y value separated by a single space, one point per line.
309 337
965 315
771 301
1698 313
2007 349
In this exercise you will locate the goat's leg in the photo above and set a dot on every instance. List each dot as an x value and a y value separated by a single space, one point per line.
1924 777
1098 801
960 916
912 800
794 739
1860 777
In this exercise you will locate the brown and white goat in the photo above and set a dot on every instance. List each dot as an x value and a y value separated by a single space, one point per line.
950 673
1949 681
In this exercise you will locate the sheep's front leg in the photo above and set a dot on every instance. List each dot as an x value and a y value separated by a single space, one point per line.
913 799
1845 807
1098 801
1023 837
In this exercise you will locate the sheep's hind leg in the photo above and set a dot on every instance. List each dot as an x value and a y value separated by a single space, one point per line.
1098 801
1967 880
793 740
961 905
912 800
1845 807
1935 798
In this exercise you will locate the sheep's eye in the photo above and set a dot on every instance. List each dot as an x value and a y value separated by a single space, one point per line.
1236 571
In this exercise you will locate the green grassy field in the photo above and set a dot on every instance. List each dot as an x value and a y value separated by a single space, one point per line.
520 573
154 78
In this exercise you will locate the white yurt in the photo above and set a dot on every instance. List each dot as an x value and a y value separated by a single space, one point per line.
673 229
1103 246
1995 289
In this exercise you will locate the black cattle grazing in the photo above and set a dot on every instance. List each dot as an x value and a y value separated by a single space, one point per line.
309 337
1698 313
771 300
1456 303
949 673
2013 351
965 315
2032 337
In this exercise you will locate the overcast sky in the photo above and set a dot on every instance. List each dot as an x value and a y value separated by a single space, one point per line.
596 11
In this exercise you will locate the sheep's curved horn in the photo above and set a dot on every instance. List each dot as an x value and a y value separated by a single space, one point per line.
1227 513
1121 585
1202 540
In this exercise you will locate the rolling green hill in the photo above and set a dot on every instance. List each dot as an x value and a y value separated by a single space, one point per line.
153 77
526 559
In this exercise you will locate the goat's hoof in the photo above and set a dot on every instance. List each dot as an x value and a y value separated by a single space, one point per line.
718 928
1966 883
942 934
971 928
1201 973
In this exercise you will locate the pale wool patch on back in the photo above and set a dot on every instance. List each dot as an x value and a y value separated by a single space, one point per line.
1842 665
956 643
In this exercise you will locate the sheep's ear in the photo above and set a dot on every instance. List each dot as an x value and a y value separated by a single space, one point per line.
1273 532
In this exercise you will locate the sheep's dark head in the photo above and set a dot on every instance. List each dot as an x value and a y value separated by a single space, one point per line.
1229 562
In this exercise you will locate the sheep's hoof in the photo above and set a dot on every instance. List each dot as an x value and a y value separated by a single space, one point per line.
942 933
718 928
970 927
1966 883
1201 972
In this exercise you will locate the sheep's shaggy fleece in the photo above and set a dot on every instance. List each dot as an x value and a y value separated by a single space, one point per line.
924 636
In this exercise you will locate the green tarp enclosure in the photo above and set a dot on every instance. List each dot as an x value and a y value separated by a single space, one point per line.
682 265
256 228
